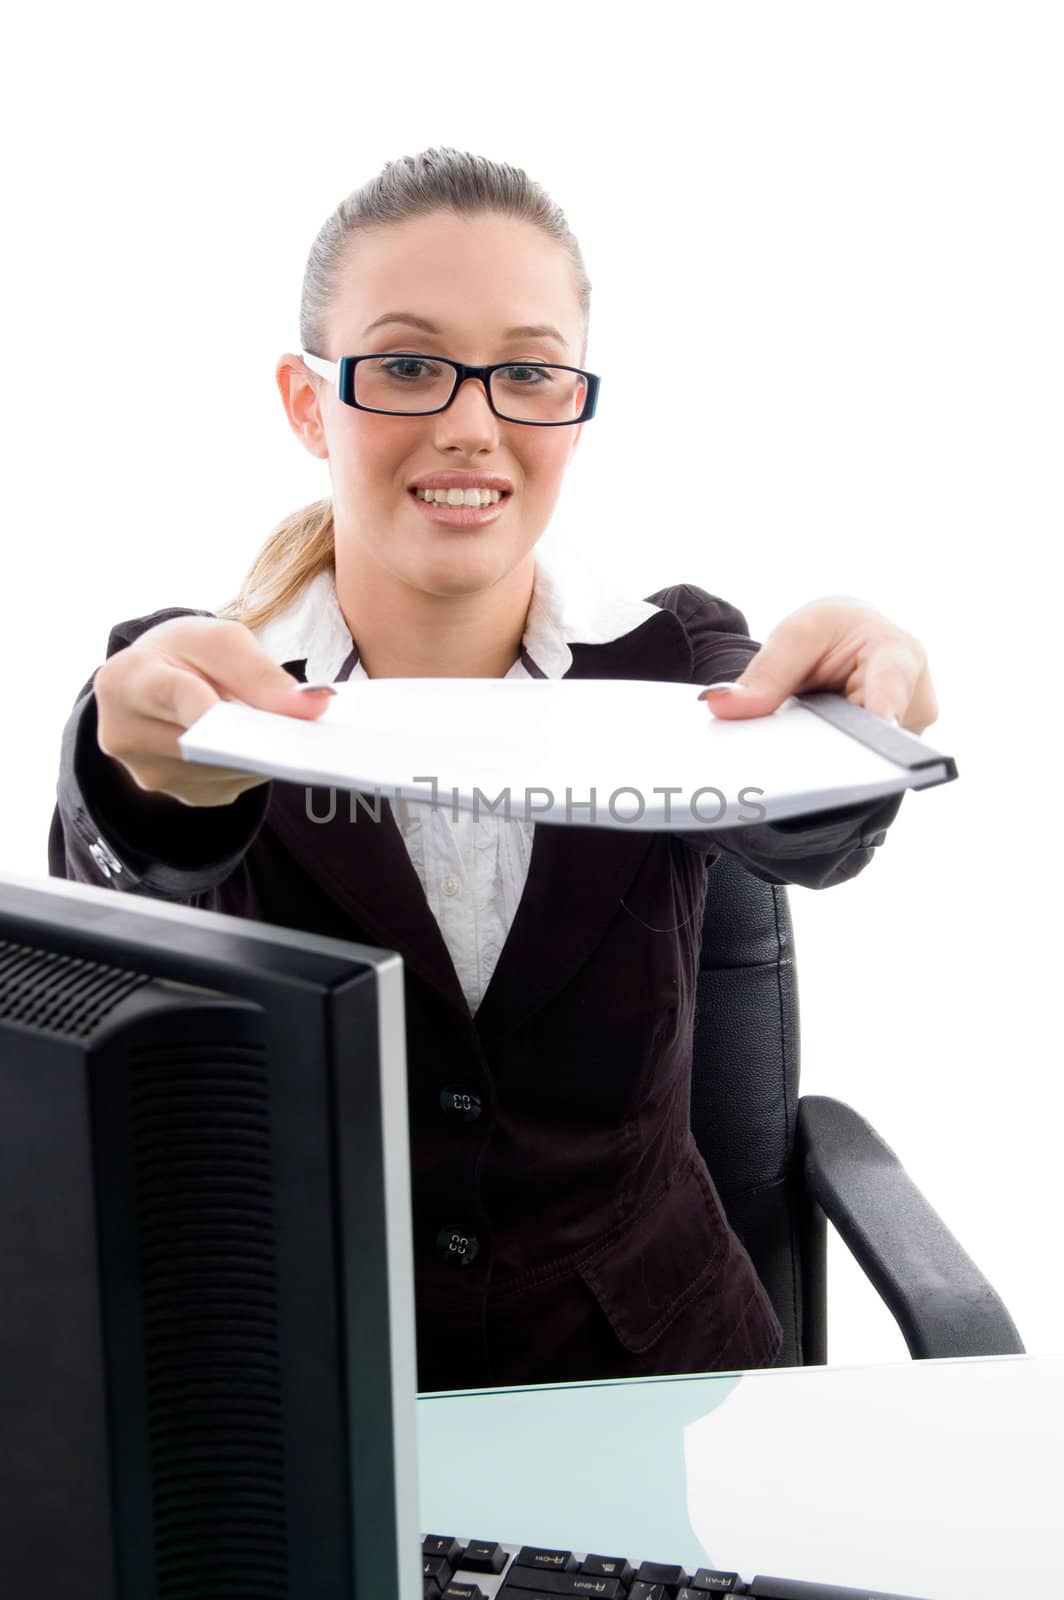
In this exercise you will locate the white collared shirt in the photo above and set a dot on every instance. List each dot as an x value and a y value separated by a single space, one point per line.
472 869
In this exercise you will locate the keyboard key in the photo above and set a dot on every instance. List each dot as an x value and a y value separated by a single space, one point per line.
458 1590
546 1560
706 1581
438 1569
649 1591
687 1593
482 1555
608 1567
660 1572
436 1544
525 1582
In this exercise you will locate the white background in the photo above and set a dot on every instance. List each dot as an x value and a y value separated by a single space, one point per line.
838 224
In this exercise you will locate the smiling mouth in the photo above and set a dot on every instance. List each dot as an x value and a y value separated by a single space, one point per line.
469 499
439 514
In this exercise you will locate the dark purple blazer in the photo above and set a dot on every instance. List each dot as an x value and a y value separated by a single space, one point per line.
565 1226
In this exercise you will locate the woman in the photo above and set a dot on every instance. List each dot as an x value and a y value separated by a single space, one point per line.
565 1226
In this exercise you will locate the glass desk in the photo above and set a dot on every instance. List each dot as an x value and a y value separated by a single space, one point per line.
933 1478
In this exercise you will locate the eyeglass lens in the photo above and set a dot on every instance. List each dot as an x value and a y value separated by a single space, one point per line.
522 392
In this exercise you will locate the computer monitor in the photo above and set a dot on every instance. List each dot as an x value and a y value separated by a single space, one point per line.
207 1350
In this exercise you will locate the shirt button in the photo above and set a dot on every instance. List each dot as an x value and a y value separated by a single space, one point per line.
463 1102
450 884
457 1246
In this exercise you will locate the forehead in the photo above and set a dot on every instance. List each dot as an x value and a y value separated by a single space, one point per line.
474 276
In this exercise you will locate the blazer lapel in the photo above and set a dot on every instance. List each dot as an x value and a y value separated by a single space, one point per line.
356 853
363 864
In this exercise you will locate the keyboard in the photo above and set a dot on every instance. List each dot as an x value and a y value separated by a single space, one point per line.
480 1569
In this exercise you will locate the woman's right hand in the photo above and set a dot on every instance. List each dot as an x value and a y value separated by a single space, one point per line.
150 692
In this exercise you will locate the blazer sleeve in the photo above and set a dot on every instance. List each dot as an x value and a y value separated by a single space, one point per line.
106 830
814 852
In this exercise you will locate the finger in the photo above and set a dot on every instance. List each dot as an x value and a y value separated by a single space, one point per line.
780 668
193 783
923 707
762 687
197 784
730 702
229 657
890 679
172 694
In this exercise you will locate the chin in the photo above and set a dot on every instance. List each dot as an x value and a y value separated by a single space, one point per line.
459 571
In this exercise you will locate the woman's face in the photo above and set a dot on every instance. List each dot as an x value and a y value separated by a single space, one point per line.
474 279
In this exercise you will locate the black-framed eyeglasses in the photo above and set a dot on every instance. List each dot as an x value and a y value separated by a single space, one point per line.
538 393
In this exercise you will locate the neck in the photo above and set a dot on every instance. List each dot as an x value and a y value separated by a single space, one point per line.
404 632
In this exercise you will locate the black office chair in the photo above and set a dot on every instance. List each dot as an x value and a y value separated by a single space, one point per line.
784 1166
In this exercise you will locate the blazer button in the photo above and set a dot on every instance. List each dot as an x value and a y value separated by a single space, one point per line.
461 1102
457 1246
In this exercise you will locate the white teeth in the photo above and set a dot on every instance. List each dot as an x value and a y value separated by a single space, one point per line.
460 497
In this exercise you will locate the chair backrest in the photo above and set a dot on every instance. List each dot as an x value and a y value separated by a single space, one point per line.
744 1094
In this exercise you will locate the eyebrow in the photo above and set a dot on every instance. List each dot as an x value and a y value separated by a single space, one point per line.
534 330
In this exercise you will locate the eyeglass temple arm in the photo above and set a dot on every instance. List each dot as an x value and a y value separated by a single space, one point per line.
324 369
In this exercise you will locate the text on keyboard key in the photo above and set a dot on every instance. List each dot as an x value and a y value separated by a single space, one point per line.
608 1567
524 1582
482 1555
545 1560
435 1544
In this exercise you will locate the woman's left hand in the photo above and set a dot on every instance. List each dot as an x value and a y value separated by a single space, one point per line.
841 645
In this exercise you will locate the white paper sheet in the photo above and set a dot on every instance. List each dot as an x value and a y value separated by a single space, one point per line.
933 1478
543 749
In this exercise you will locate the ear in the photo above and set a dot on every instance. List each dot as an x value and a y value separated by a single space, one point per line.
300 398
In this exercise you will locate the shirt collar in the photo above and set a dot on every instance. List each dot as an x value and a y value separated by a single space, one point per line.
312 628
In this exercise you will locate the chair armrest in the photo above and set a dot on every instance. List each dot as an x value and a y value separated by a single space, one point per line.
940 1300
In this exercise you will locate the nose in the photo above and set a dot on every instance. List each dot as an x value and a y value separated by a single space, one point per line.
469 420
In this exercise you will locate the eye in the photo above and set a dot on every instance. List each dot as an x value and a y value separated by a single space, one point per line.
526 373
400 367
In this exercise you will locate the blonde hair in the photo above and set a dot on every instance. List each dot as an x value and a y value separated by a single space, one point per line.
438 179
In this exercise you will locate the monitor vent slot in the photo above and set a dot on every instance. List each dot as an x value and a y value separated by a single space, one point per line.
206 1233
61 994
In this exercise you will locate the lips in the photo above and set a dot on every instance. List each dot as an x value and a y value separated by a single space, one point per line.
445 516
463 480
